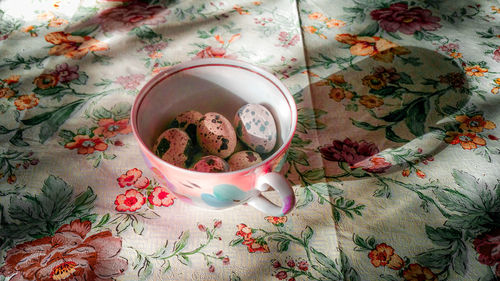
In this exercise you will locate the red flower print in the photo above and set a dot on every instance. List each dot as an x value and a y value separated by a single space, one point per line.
303 265
290 263
161 197
420 174
202 227
348 151
399 18
109 128
225 261
416 272
281 275
129 178
86 144
133 14
487 245
68 253
131 201
276 264
244 231
384 255
217 223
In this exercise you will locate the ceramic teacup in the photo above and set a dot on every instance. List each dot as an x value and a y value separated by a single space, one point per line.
223 86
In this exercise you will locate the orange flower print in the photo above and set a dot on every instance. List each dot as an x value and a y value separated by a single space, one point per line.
474 124
256 246
31 30
257 3
337 94
244 231
375 82
55 22
456 55
406 173
467 140
45 81
416 272
310 29
420 174
495 90
86 144
161 197
73 47
388 55
6 93
109 127
157 70
365 46
240 10
279 221
26 102
131 201
475 70
371 101
12 79
317 16
334 23
381 255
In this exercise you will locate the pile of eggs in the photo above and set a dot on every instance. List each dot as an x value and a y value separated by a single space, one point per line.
211 143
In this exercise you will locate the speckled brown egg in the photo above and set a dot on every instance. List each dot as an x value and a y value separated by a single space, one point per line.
256 128
216 135
175 147
187 121
243 159
211 164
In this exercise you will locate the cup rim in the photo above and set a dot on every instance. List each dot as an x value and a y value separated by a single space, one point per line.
204 63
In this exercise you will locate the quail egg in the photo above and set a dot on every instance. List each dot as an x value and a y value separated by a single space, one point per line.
256 128
243 159
174 146
216 135
211 164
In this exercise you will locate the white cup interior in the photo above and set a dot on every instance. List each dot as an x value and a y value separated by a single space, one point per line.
211 88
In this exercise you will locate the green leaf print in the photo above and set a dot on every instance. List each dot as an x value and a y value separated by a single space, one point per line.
42 214
417 114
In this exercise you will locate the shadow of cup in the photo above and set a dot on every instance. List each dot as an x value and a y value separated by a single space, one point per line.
384 115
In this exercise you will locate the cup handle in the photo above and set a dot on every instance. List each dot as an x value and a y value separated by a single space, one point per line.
285 190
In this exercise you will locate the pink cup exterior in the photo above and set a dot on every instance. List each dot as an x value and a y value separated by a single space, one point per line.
190 186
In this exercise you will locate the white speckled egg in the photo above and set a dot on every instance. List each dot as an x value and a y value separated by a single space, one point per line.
216 135
211 164
174 146
255 127
243 159
187 121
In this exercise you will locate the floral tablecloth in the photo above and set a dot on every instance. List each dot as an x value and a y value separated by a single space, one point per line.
395 162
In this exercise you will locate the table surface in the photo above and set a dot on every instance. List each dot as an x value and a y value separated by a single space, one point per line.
394 162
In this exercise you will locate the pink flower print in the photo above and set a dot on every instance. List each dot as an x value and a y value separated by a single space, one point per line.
496 55
210 52
399 18
66 73
288 40
130 82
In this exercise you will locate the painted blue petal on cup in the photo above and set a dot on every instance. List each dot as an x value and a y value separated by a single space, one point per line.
225 195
